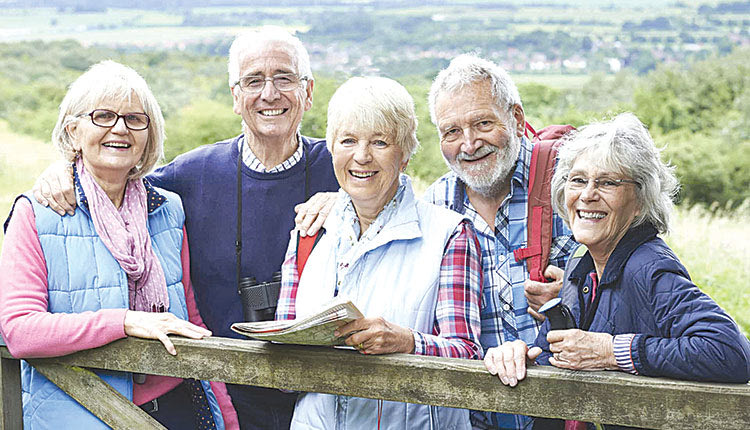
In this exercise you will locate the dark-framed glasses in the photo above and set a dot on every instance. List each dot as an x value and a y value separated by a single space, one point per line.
106 118
254 84
604 184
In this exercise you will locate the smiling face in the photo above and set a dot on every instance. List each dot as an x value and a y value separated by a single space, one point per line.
599 219
110 152
271 114
476 137
367 165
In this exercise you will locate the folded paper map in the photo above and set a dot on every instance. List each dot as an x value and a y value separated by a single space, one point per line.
315 329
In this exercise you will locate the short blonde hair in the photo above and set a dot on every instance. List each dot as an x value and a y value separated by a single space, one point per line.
375 103
109 80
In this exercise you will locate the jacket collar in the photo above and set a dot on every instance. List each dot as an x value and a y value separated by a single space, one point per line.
399 219
154 199
634 238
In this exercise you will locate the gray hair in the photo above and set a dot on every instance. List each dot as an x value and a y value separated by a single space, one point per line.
262 36
374 103
109 80
622 145
467 69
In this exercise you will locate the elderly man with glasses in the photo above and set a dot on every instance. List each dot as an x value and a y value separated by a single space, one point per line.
244 190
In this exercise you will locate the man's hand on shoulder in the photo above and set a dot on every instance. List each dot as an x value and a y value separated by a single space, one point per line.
313 213
54 188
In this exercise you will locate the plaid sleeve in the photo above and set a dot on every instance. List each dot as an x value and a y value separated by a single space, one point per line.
563 243
457 324
285 309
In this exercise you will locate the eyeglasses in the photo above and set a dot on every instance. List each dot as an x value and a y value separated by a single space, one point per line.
602 184
106 118
254 84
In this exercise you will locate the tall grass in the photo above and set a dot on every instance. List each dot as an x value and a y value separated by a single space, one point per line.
714 248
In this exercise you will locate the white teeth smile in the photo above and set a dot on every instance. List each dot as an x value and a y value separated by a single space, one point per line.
591 215
117 145
361 175
271 112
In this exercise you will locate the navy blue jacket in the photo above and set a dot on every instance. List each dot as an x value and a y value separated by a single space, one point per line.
680 332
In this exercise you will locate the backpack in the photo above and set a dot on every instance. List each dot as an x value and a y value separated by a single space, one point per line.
539 221
305 246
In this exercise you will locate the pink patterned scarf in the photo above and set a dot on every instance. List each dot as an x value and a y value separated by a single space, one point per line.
125 234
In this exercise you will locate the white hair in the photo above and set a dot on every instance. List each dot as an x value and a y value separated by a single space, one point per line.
263 36
467 69
374 103
622 145
109 80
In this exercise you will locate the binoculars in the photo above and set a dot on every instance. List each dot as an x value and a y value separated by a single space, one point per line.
259 299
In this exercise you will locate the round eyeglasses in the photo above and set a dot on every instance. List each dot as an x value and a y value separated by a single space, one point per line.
106 118
254 84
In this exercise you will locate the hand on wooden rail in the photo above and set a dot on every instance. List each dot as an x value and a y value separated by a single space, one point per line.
150 325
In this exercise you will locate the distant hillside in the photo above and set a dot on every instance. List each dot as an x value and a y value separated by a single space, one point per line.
400 38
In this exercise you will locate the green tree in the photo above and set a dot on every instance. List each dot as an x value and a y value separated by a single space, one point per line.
201 122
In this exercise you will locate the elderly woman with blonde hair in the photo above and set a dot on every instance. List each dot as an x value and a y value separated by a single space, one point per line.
634 305
411 267
117 267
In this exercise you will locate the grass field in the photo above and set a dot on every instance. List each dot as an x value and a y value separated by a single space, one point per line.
710 247
22 159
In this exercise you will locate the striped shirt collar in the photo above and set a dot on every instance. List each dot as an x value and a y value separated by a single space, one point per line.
253 163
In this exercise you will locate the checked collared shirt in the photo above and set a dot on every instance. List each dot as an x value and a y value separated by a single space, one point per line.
504 308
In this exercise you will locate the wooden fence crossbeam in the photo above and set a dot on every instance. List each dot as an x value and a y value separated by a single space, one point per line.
97 396
606 397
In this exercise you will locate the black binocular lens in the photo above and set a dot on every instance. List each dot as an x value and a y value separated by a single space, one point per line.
259 299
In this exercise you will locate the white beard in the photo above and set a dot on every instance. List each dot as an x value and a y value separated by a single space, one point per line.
489 182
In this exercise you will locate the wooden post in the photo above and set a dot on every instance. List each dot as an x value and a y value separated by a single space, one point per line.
10 397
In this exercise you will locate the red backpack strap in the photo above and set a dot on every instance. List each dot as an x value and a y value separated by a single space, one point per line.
305 246
539 222
529 128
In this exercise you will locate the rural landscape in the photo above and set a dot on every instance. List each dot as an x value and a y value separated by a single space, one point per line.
682 67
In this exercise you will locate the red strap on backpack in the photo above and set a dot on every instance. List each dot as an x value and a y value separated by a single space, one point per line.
539 222
305 246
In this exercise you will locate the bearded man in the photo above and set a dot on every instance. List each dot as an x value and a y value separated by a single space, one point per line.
480 121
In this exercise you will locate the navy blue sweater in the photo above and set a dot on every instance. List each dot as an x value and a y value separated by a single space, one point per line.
206 179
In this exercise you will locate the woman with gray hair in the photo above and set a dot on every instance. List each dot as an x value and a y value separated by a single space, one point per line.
117 267
411 267
632 300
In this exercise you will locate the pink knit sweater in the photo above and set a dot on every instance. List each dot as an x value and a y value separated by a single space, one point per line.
31 332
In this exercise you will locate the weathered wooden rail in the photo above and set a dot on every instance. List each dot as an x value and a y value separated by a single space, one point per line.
607 397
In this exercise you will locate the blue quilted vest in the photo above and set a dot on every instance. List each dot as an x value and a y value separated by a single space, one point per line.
82 276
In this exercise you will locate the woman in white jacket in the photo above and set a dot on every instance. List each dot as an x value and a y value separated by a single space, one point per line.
411 267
